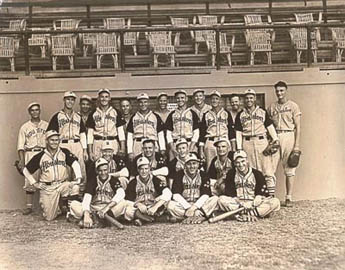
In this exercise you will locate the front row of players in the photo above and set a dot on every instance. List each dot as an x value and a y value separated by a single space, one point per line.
154 193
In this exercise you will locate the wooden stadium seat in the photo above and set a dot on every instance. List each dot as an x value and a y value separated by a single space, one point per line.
259 40
68 24
161 44
17 25
179 22
299 38
225 49
130 38
88 40
63 45
8 50
40 40
338 37
106 44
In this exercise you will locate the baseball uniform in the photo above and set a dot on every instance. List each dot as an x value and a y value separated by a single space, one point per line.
217 172
31 140
53 176
284 118
201 112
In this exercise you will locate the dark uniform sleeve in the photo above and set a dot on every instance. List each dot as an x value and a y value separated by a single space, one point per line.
70 158
91 184
121 163
238 124
196 120
212 169
120 121
161 162
203 128
133 171
177 186
34 163
82 127
268 120
131 194
90 122
115 184
169 122
159 185
231 130
260 186
160 124
205 187
54 123
230 188
172 168
130 125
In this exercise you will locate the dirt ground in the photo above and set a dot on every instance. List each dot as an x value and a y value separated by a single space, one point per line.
310 235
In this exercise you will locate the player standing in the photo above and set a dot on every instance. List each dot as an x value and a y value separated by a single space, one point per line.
105 123
162 109
85 104
31 140
286 116
235 109
252 125
200 107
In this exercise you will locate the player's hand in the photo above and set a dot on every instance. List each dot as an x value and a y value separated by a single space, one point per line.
247 205
190 211
163 153
87 221
191 146
152 210
85 155
198 213
21 164
92 156
257 200
102 212
131 157
142 208
40 186
122 153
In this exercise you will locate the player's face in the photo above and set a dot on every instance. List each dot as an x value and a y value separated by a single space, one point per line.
222 148
144 171
69 102
148 149
125 107
85 106
249 101
163 102
199 98
104 99
235 103
241 165
181 100
143 105
281 92
35 112
192 167
215 101
103 172
182 150
53 142
107 154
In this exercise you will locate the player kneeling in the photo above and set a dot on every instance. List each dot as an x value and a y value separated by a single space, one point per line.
103 200
246 189
191 193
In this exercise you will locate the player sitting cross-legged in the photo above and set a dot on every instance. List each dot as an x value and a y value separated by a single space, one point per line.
246 187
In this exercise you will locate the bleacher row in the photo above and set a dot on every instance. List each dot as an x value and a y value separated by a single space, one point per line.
186 47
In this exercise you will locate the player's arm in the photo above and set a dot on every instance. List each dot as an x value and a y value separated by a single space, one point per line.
203 128
169 128
20 148
238 130
54 123
163 198
21 156
90 125
160 133
83 140
164 171
86 203
72 161
231 132
196 130
270 127
297 121
30 168
119 196
121 173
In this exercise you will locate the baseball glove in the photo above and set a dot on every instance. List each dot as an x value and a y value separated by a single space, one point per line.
272 148
293 159
19 169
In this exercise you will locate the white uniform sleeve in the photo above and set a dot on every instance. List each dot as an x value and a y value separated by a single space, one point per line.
76 169
119 195
83 140
29 176
121 132
200 202
164 171
177 197
161 141
195 137
272 132
21 139
86 202
130 142
121 173
90 136
166 194
239 140
169 136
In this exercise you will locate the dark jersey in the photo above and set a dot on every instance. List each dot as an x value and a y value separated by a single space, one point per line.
157 163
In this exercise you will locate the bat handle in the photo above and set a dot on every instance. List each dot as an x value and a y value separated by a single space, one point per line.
114 222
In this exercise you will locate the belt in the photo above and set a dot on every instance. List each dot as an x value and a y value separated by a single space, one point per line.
51 183
284 131
34 150
259 137
71 140
188 140
103 138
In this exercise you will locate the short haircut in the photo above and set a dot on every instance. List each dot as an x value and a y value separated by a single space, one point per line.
280 84
125 99
234 95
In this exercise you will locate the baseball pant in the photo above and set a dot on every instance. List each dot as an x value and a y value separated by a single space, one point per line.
97 147
176 210
210 152
27 187
51 194
287 142
254 148
124 208
267 206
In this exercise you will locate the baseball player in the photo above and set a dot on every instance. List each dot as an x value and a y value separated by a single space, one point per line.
215 123
144 124
200 107
220 166
105 123
53 185
252 125
126 110
162 109
182 123
191 191
149 194
286 117
246 187
70 126
104 195
85 105
235 108
31 141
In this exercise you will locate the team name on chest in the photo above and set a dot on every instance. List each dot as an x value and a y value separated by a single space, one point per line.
66 121
50 163
178 119
35 131
217 120
248 118
137 122
98 118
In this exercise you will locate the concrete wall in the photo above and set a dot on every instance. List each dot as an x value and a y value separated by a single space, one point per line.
320 94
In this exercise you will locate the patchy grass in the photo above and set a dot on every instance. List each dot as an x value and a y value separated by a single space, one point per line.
311 235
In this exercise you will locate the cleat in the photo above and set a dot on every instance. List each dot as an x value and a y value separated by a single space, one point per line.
288 203
27 211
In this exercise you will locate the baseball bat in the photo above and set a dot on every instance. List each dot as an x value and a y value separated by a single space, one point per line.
225 215
114 222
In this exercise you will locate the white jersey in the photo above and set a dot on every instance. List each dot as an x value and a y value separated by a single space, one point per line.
284 115
32 136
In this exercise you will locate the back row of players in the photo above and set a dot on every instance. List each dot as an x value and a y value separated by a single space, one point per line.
122 140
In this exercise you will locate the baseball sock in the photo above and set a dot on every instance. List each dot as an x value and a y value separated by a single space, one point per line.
289 197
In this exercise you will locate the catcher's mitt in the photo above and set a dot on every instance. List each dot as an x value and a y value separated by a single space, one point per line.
293 159
272 148
19 169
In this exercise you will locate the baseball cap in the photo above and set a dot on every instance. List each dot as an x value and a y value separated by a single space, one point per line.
86 97
215 93
33 104
106 145
181 91
142 161
240 153
100 162
162 94
198 90
250 91
180 141
51 133
142 96
221 140
69 94
191 157
145 140
103 90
